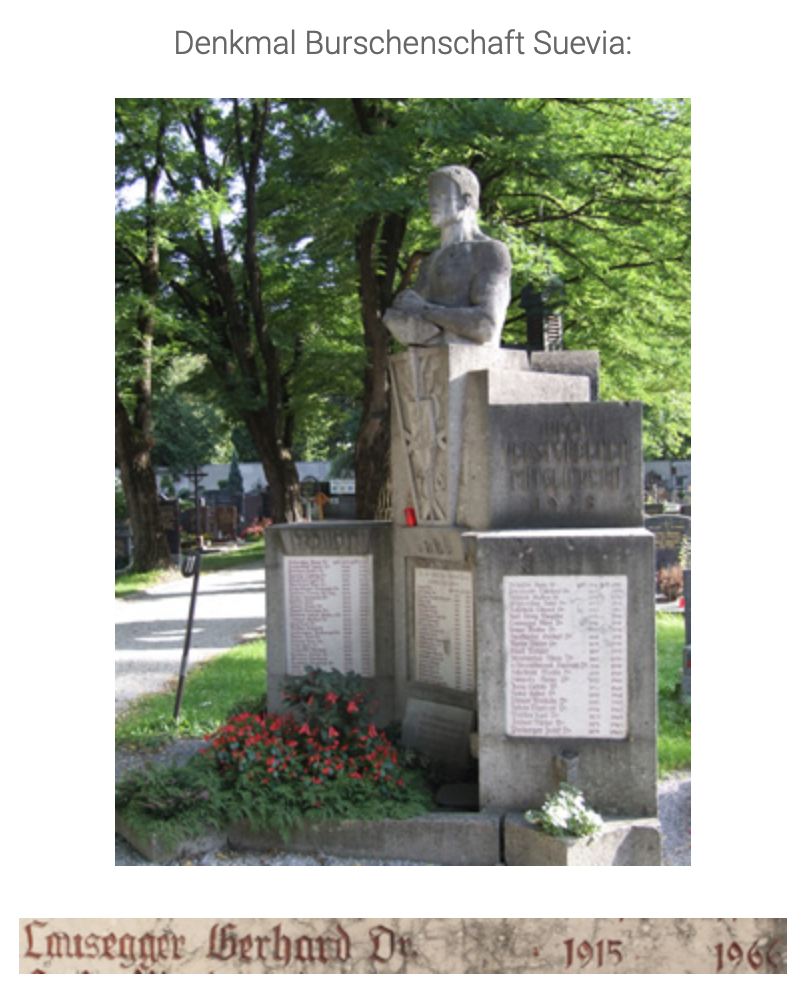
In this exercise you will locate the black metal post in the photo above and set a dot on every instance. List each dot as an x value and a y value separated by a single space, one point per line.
191 566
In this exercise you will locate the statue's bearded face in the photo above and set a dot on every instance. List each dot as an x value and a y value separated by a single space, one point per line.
446 203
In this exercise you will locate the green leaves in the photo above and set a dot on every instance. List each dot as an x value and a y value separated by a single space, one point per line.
261 202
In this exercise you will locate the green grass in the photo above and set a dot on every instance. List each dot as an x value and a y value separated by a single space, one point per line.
212 691
135 582
249 554
674 724
215 689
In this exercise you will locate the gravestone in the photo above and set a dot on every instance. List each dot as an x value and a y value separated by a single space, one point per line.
670 532
512 590
226 517
169 521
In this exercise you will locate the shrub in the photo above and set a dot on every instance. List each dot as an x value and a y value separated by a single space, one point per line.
328 698
324 759
256 530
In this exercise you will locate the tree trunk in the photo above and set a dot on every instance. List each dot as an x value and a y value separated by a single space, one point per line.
278 467
377 250
133 457
253 366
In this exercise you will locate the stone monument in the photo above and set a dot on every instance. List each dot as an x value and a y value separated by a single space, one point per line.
512 593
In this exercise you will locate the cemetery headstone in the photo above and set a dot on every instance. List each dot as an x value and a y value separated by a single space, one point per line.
169 520
669 532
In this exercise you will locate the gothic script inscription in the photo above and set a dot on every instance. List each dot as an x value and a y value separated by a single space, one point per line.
444 628
329 613
566 656
352 946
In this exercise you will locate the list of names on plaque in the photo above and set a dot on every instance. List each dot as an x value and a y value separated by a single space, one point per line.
329 613
444 628
566 654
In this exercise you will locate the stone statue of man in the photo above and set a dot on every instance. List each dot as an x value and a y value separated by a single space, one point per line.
463 289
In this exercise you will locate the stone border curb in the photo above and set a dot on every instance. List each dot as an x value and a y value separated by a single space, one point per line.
440 838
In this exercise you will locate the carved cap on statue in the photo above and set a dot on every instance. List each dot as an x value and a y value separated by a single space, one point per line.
465 180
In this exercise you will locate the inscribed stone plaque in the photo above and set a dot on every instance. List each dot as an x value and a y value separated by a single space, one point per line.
670 533
329 613
440 730
227 946
566 656
444 628
566 465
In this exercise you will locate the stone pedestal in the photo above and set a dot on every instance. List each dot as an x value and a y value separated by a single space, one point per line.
521 604
440 419
566 667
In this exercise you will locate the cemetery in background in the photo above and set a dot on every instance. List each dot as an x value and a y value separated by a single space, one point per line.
225 514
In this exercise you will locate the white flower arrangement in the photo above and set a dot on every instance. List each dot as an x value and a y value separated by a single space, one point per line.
565 814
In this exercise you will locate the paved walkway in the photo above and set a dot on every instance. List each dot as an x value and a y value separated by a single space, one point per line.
150 627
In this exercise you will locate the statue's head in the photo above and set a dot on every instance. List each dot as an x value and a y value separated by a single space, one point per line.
465 180
453 192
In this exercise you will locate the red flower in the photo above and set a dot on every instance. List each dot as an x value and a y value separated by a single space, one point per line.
352 708
331 697
332 732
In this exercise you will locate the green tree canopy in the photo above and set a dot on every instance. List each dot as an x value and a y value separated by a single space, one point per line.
285 227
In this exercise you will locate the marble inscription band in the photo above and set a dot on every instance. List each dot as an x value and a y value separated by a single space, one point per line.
610 946
444 628
329 613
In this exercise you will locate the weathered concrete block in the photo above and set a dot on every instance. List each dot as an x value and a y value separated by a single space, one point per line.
585 364
155 848
620 842
573 464
565 630
451 838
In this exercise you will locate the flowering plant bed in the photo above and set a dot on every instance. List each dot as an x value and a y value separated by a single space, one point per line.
277 772
256 530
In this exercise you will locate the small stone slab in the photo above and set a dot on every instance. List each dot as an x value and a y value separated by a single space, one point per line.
441 731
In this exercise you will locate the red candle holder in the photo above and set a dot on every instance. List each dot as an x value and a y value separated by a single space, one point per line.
411 517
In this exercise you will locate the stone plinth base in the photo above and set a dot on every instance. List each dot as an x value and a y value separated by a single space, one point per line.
439 838
620 842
